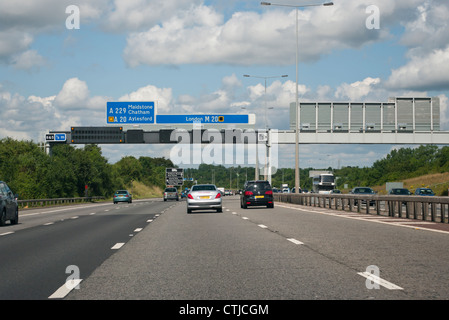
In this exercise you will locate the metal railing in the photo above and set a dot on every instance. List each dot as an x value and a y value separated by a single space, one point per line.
32 203
426 208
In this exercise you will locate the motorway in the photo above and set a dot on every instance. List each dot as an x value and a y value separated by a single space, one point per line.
154 250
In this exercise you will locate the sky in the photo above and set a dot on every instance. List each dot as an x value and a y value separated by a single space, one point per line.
61 61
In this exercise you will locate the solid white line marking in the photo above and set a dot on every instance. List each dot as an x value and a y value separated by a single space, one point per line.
6 233
65 289
262 226
295 241
380 281
138 229
118 245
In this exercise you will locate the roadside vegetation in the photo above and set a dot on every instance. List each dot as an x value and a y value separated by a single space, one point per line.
33 174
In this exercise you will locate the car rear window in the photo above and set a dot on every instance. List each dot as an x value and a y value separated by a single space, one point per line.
364 190
122 192
170 190
400 191
203 188
258 186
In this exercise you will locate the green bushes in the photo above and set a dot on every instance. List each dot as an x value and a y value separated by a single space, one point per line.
33 174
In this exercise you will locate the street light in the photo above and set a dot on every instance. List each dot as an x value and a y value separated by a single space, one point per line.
326 4
265 96
267 153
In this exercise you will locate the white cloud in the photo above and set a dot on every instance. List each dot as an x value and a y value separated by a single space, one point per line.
200 35
22 20
356 90
163 97
427 37
28 60
12 42
135 15
423 72
73 95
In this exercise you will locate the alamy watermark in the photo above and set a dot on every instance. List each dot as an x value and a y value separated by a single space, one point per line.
73 20
372 22
73 280
233 147
373 273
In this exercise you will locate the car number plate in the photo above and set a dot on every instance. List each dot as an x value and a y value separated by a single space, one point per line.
258 197
204 197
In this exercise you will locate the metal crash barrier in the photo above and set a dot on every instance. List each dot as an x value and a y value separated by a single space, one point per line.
426 208
32 203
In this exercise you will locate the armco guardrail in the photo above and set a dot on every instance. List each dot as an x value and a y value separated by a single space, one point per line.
54 201
425 208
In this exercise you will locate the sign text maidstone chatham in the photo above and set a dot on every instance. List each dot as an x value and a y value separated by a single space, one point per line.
130 112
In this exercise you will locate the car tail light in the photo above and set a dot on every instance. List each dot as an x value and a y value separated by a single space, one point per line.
248 193
189 196
218 195
269 192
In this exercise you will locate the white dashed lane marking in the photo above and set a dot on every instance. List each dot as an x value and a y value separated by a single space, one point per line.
118 246
295 241
384 283
65 289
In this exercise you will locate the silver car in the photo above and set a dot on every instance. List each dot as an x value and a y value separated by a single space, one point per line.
171 193
203 197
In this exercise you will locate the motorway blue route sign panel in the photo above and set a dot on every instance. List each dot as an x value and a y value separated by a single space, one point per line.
130 112
202 118
60 137
56 137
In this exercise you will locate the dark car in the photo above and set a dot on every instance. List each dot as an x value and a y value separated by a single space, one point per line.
9 208
363 191
257 193
122 196
424 192
400 191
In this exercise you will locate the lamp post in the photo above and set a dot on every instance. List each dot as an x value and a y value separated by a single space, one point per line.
267 172
326 4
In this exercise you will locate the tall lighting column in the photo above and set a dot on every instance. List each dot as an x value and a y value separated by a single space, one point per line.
297 181
267 171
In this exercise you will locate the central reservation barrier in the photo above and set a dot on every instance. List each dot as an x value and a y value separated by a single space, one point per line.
55 201
426 208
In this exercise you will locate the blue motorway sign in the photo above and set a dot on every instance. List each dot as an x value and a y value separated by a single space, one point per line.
60 137
202 118
130 112
56 137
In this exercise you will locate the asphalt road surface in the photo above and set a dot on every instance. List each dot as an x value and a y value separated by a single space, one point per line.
154 250
54 244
